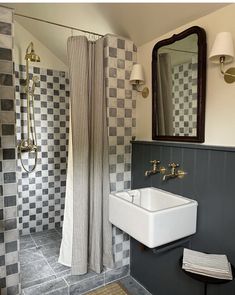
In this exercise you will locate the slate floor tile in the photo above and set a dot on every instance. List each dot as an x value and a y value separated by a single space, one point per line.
71 279
30 255
47 276
52 249
50 287
44 233
26 242
86 285
56 266
49 237
35 271
37 282
59 229
64 273
62 291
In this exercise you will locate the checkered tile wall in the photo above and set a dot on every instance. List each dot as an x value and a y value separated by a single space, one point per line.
42 193
120 55
9 266
40 204
184 95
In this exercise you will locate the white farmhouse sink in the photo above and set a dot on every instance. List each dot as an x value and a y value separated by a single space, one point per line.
152 216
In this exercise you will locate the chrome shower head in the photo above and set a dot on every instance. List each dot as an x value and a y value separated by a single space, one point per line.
31 56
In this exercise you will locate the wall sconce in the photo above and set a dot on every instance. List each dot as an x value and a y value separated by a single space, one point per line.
137 79
222 52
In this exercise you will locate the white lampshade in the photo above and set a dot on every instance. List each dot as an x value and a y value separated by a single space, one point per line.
223 46
137 74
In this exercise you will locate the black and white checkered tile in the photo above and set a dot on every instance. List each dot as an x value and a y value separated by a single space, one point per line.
42 193
9 266
120 55
184 77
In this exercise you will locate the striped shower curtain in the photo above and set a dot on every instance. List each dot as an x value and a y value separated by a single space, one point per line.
87 232
164 93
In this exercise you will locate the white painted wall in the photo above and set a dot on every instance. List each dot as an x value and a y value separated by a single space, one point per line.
22 38
220 96
79 15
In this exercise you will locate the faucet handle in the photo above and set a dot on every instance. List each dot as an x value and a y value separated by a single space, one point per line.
173 165
154 162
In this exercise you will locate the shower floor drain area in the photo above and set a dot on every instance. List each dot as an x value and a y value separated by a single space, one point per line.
111 289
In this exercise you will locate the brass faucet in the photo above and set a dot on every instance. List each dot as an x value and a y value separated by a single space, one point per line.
155 168
174 172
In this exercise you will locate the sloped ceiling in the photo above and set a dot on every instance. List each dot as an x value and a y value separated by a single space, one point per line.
137 21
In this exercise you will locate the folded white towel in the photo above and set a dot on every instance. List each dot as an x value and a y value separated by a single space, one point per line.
212 265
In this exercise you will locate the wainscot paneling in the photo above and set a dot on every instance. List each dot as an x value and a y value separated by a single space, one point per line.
210 181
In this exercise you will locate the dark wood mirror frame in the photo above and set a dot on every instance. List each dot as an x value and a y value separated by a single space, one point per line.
201 85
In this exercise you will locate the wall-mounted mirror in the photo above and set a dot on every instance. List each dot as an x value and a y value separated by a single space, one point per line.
179 86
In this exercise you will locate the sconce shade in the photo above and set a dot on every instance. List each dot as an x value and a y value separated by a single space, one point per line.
137 74
223 46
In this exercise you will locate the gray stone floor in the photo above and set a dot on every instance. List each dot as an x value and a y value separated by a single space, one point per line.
42 274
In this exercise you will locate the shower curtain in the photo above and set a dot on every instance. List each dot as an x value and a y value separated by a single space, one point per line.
165 100
87 232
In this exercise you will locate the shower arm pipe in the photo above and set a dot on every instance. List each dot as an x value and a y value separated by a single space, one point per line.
27 90
28 98
58 24
34 136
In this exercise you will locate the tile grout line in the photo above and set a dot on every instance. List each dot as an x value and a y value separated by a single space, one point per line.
30 281
56 273
86 279
38 285
60 233
45 259
63 277
52 291
34 241
49 265
63 273
92 289
115 280
66 284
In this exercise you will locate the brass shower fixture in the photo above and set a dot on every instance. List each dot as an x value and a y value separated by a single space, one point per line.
30 143
31 56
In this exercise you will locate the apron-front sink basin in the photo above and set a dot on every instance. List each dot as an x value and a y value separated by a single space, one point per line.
152 216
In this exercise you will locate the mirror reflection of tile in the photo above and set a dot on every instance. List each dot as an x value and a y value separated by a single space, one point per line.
184 94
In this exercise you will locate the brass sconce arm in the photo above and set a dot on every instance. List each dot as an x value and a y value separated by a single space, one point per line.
144 91
229 75
222 59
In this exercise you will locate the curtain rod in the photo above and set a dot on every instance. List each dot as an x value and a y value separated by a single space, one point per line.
57 24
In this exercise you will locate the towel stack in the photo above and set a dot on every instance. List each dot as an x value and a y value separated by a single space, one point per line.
210 265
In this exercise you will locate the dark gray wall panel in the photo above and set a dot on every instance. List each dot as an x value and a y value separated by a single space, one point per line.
210 181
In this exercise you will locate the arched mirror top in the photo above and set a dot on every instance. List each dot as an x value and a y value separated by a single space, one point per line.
178 85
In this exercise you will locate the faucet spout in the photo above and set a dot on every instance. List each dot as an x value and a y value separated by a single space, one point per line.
174 172
147 173
150 172
155 168
167 176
